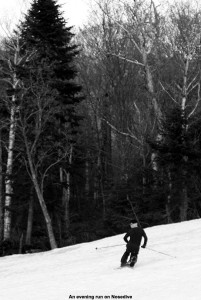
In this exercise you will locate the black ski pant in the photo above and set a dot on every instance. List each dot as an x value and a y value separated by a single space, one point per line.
132 251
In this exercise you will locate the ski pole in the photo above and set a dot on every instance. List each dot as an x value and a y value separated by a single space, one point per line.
160 252
97 248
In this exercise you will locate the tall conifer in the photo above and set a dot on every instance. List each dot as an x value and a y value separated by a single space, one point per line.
45 30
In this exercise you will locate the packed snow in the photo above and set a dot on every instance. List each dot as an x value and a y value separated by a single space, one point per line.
84 272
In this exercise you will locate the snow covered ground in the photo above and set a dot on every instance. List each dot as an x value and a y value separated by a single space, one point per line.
82 272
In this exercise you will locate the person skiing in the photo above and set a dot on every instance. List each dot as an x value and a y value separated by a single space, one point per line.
135 235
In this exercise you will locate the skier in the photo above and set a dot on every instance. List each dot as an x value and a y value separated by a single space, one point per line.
133 244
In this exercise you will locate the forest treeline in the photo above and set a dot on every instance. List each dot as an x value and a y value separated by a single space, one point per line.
99 126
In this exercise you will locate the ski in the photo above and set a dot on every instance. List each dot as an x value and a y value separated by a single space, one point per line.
125 266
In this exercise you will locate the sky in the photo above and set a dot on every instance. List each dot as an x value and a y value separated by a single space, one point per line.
168 269
75 12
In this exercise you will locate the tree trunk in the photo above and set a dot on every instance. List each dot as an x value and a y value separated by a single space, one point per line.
169 199
97 180
105 155
66 217
96 184
106 152
39 193
184 197
87 185
150 86
103 201
58 219
1 192
21 243
30 218
52 240
15 83
9 172
66 194
144 181
184 205
156 109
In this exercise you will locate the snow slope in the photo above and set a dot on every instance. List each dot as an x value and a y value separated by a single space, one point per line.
82 272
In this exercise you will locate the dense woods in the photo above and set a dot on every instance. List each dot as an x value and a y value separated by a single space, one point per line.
99 126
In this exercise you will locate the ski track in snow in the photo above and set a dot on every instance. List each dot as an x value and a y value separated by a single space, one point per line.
81 270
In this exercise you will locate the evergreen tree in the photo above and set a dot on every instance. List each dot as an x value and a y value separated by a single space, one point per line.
178 155
45 32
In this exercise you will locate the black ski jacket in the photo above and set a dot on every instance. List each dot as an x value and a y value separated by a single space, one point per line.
135 235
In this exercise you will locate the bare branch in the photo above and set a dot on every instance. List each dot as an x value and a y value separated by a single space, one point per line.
167 92
179 88
122 133
196 76
49 167
198 100
192 88
7 81
120 26
138 111
126 59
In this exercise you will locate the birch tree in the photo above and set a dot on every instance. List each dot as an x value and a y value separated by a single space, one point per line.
11 60
142 25
65 179
1 190
114 94
30 217
33 124
185 45
180 83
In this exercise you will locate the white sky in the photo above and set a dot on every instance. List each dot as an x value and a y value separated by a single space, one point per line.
75 12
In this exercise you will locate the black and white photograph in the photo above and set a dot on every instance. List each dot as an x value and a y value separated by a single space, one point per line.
100 149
